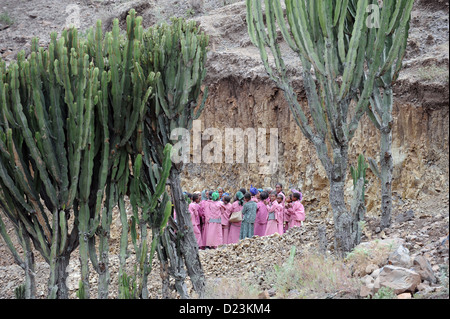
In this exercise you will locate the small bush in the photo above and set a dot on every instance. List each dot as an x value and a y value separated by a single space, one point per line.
230 288
385 293
6 19
443 277
361 256
312 275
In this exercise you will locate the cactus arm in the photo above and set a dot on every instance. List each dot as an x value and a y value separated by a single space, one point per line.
8 240
399 36
353 48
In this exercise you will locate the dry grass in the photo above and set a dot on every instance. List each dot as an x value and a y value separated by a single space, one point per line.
312 275
305 275
375 252
230 288
433 73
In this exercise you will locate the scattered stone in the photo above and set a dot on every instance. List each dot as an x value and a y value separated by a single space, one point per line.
400 257
367 290
406 216
405 295
264 295
398 278
423 267
371 268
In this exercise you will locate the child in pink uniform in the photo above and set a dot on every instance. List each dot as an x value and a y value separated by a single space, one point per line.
286 213
280 200
226 213
296 211
194 209
275 218
261 215
214 223
235 228
255 194
204 205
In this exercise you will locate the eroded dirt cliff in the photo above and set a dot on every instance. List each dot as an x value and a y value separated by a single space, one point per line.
242 96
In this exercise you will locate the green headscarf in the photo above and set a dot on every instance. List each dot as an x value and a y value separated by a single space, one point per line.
215 196
240 198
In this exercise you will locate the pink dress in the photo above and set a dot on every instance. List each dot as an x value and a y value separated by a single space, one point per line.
261 219
195 218
275 219
226 213
297 214
214 225
286 219
235 228
201 218
205 212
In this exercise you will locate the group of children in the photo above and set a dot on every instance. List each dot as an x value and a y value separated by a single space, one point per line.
264 212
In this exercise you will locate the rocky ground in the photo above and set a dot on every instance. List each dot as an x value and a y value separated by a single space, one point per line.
420 227
421 217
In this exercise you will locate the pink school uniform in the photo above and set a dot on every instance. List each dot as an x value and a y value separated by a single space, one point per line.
205 212
226 213
214 225
235 228
275 219
261 219
297 214
287 216
194 209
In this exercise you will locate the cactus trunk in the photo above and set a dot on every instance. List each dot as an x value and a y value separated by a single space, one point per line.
180 58
189 247
333 38
387 166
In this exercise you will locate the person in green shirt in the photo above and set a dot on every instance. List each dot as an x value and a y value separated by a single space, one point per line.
248 217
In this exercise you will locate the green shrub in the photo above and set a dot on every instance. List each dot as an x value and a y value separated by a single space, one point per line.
385 293
6 19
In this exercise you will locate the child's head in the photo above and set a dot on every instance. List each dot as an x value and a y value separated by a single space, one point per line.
280 198
226 199
278 187
196 198
247 197
289 198
263 195
243 190
296 197
273 196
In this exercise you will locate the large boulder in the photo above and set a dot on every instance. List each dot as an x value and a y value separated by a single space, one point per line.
399 279
423 267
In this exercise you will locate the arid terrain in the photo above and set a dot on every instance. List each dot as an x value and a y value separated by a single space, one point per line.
241 96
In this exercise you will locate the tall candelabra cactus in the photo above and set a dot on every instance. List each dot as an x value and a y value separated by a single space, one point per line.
67 116
47 108
340 53
179 56
381 105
